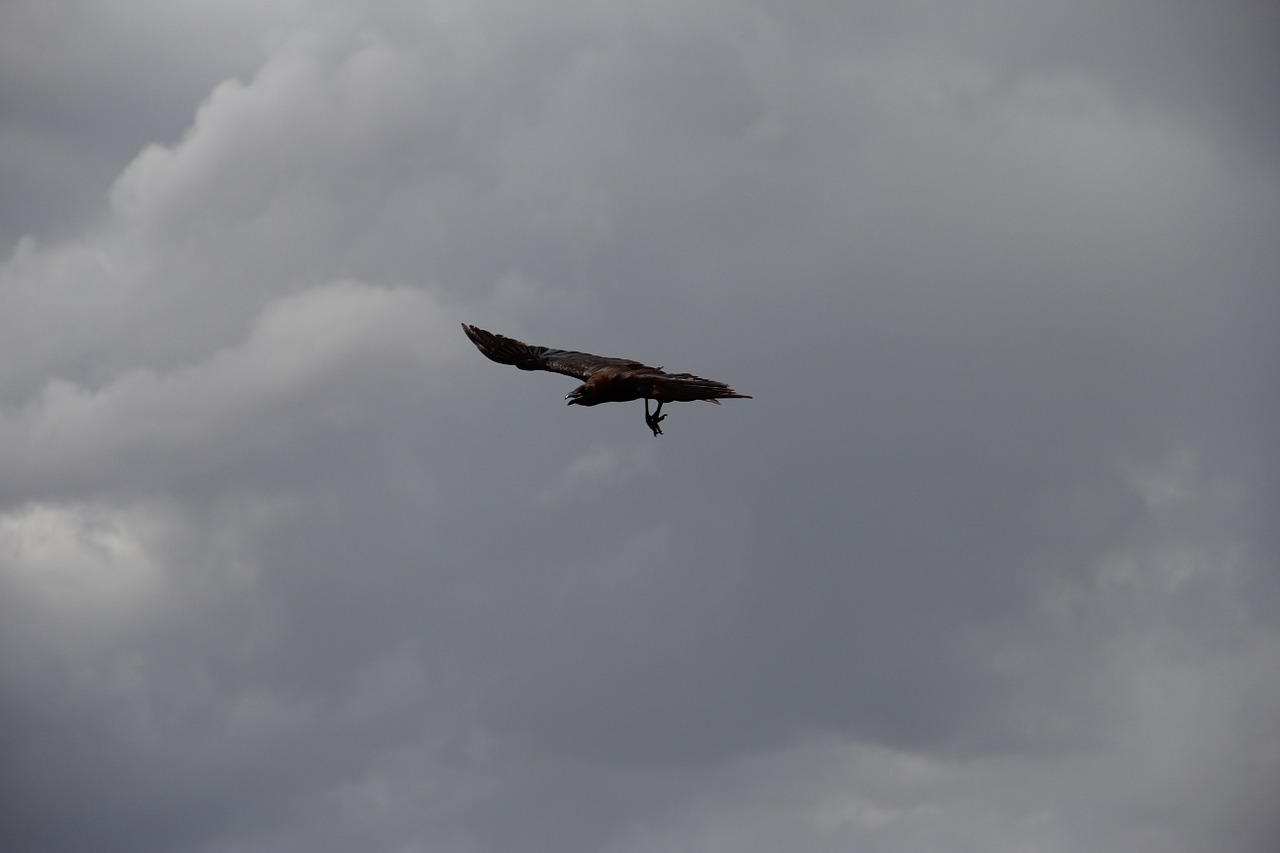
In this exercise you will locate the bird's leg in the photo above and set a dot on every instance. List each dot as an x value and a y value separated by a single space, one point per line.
654 419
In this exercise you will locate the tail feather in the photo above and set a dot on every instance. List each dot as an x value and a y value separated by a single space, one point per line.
688 386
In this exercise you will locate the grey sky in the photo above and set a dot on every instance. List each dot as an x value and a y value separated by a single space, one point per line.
988 564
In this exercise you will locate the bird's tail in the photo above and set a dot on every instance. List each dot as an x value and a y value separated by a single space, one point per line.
689 387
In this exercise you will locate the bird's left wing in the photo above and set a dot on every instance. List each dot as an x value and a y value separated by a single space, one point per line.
504 350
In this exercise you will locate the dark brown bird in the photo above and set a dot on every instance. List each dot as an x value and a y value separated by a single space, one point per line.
604 380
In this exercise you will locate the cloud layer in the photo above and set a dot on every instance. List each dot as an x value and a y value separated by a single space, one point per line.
985 565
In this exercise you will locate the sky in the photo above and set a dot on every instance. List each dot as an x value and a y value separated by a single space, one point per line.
990 562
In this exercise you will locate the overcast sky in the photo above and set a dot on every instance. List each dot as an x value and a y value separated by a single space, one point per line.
990 563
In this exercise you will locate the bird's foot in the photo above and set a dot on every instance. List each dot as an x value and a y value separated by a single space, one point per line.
654 419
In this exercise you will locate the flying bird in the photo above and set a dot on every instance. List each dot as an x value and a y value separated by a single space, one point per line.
604 380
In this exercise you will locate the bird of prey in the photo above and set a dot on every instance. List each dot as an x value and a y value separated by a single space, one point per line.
604 380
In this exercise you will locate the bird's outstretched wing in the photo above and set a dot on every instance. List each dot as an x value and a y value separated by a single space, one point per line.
579 365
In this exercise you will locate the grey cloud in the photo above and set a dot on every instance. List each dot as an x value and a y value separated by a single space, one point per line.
85 87
983 565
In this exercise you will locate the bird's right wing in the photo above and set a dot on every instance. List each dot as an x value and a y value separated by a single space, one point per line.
504 350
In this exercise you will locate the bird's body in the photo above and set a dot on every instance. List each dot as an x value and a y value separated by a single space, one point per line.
604 380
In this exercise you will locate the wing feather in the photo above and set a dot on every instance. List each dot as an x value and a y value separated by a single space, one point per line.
504 350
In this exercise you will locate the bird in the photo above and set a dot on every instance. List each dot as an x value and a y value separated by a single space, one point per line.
604 379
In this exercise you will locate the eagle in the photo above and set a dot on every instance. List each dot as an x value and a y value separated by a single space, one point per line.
604 380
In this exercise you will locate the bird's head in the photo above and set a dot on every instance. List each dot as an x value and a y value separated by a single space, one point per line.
581 396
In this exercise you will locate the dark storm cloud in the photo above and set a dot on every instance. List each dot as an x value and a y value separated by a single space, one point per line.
983 564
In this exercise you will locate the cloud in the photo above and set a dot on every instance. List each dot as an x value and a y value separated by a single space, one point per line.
129 76
285 565
310 358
